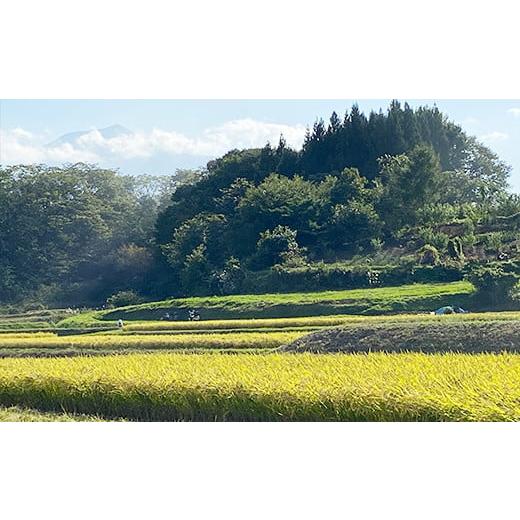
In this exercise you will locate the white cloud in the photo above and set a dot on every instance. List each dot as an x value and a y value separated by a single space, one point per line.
20 146
494 137
22 134
249 133
514 111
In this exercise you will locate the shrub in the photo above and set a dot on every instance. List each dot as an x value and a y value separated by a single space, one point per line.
124 298
322 277
377 244
493 242
436 239
468 226
495 283
428 255
195 273
455 249
229 279
277 246
468 240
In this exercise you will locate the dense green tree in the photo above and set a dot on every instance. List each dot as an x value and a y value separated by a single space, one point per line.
354 223
350 185
229 279
204 233
59 224
482 166
195 272
408 182
357 142
231 196
277 246
495 282
279 200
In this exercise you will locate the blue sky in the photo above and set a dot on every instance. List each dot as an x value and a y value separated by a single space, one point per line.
161 135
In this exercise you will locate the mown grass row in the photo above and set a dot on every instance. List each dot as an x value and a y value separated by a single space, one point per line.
273 387
467 336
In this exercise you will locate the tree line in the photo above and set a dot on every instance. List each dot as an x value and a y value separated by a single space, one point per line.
360 184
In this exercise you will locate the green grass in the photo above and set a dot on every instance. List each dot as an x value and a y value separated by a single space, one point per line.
406 298
88 319
272 387
9 325
32 320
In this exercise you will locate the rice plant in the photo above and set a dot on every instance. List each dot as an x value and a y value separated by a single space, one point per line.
272 387
105 343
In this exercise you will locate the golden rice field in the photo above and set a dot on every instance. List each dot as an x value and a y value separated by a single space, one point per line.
271 387
5 337
264 323
50 344
312 321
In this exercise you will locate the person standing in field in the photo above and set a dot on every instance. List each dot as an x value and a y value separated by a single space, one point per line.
120 324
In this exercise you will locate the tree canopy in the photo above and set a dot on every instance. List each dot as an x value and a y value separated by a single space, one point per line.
356 182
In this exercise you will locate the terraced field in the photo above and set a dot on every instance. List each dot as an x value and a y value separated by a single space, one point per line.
55 346
309 322
33 320
386 300
488 332
173 370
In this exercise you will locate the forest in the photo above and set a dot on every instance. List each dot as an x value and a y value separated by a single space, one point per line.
398 196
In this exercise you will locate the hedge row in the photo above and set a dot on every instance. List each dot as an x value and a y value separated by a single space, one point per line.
319 277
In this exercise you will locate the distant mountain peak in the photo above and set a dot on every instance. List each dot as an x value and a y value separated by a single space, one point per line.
114 131
108 132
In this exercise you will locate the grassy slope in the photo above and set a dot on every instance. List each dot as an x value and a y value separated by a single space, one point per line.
406 298
373 387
